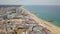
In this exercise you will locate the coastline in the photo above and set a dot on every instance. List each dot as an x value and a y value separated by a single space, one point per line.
54 29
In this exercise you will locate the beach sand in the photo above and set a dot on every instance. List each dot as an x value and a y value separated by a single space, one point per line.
54 29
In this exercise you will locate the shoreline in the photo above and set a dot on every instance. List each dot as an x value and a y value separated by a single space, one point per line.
54 29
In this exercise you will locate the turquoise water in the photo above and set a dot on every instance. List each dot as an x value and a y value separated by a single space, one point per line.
46 12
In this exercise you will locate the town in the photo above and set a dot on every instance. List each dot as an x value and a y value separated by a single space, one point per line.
14 20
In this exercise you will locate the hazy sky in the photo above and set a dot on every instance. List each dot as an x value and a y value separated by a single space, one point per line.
30 2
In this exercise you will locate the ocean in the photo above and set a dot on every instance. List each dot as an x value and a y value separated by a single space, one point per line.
46 12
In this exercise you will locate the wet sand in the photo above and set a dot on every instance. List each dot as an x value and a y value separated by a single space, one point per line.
54 29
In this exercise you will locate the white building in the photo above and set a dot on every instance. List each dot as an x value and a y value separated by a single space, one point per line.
9 11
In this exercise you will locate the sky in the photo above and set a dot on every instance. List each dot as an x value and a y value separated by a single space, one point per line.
29 2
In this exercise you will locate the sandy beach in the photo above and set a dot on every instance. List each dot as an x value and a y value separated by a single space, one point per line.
54 29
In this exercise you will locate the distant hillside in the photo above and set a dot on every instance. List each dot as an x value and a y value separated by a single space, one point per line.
10 5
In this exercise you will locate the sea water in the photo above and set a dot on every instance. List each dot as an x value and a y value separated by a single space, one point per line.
46 12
